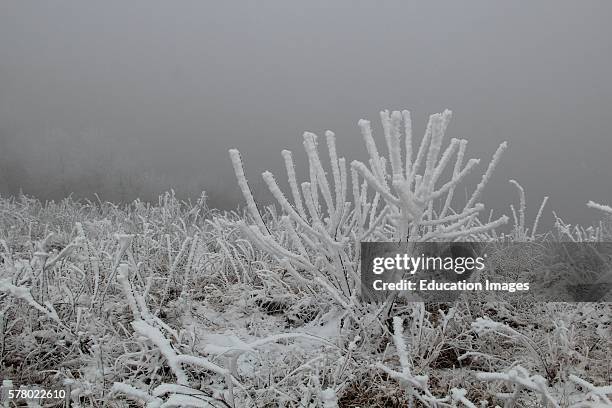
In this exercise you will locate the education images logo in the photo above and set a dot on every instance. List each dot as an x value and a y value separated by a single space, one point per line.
437 271
428 271
399 265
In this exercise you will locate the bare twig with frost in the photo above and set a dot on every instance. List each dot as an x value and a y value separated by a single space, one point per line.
600 207
520 231
417 386
599 395
23 293
518 379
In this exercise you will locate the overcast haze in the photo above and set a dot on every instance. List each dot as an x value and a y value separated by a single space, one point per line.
95 95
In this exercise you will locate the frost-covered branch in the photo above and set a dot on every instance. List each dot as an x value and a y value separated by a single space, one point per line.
600 207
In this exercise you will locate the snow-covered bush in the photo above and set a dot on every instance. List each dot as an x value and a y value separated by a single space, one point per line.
401 197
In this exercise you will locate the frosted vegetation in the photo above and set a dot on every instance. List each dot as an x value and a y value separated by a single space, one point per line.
174 304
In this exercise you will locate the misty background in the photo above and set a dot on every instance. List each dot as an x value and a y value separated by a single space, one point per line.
128 99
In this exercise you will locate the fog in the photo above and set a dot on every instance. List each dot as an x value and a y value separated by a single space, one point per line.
129 98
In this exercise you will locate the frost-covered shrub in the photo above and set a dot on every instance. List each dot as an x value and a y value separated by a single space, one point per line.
400 197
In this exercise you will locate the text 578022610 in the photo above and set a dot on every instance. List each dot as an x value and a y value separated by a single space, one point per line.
36 393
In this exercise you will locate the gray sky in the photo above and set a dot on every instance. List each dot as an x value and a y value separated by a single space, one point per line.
165 88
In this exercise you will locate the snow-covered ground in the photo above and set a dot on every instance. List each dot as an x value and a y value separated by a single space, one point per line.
174 304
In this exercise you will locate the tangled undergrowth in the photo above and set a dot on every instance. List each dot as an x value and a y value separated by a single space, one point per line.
75 277
173 304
